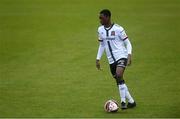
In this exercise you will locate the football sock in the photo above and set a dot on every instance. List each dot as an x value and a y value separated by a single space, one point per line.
128 95
122 91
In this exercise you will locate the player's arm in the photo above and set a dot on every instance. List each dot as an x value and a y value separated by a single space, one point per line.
129 50
99 54
127 43
100 51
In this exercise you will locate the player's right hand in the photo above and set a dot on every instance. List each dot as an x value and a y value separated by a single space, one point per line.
98 65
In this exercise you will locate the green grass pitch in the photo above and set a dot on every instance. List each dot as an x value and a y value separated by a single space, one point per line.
48 50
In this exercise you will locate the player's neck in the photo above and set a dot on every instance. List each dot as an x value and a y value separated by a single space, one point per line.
108 25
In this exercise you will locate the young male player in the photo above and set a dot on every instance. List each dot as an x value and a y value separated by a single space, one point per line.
113 39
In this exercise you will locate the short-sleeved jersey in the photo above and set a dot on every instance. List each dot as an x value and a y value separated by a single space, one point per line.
113 40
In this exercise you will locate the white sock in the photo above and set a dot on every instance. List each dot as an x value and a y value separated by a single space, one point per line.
128 95
122 92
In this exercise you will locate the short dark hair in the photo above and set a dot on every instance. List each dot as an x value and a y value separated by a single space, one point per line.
106 12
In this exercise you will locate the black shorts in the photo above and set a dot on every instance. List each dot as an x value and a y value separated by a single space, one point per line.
119 63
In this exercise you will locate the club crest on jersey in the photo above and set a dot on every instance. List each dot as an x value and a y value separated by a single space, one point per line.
112 33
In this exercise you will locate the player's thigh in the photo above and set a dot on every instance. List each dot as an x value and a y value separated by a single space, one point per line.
121 65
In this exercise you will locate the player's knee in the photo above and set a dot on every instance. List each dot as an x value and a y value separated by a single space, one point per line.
119 76
119 80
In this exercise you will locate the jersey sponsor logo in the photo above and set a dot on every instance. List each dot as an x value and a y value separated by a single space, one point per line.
108 38
112 33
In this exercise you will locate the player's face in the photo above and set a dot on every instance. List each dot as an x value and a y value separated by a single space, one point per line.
103 19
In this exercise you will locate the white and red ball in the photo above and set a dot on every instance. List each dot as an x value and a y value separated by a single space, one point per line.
111 106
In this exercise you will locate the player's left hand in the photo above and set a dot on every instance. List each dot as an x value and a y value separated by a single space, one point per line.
129 60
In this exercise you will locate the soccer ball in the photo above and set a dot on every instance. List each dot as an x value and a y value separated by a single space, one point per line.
111 106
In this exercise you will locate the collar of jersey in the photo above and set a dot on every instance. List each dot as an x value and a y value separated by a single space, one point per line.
107 29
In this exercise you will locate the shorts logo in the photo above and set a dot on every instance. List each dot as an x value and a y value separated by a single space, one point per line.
112 33
121 62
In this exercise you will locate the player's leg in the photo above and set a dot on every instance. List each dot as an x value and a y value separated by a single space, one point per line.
131 102
121 85
124 93
117 73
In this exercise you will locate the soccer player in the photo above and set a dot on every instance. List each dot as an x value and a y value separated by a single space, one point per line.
113 39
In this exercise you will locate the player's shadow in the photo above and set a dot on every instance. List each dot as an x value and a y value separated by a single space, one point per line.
117 113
